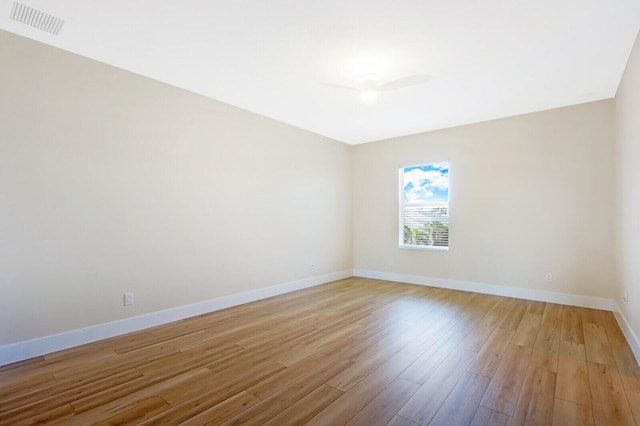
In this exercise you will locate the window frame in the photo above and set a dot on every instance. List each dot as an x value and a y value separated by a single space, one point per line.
402 204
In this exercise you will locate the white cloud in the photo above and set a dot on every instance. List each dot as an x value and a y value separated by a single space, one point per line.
424 182
440 166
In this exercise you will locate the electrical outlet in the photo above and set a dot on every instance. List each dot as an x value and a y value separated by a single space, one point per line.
128 299
625 298
548 277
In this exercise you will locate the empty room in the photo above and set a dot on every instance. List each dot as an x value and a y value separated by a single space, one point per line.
320 213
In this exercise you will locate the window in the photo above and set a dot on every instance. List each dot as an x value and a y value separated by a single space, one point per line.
424 206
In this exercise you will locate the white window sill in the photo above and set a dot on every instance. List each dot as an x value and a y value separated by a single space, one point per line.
421 247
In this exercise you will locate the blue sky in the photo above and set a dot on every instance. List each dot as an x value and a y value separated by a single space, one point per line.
426 183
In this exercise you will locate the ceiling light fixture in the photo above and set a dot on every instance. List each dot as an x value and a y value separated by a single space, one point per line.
368 86
368 95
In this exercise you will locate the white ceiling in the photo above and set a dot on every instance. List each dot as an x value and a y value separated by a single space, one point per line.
487 59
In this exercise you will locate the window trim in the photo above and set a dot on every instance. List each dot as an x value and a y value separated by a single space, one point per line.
402 204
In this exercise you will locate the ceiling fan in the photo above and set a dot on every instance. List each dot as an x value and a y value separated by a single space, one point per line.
369 85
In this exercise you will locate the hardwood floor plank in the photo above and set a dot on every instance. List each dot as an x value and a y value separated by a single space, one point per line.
281 334
431 395
487 417
392 337
568 413
571 330
248 357
573 376
55 415
429 362
24 382
223 411
462 403
536 307
634 403
103 368
323 337
146 339
527 330
117 406
386 404
205 338
544 359
552 316
29 364
547 345
399 421
186 360
34 403
481 332
431 332
268 387
596 343
286 397
361 369
295 354
138 412
305 409
514 315
195 388
190 399
614 332
488 359
95 400
607 414
337 349
610 404
347 406
502 394
627 365
86 353
17 379
536 400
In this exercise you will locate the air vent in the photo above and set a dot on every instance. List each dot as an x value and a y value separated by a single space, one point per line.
36 18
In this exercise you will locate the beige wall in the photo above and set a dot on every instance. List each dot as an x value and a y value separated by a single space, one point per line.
529 195
112 182
628 165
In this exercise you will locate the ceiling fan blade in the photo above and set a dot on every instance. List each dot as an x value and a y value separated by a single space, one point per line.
339 86
412 80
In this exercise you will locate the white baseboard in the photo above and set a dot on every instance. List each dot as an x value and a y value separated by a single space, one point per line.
48 344
498 290
628 332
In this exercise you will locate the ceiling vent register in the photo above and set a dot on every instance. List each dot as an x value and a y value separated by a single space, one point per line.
36 18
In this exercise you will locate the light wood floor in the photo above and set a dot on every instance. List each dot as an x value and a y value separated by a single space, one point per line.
356 351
